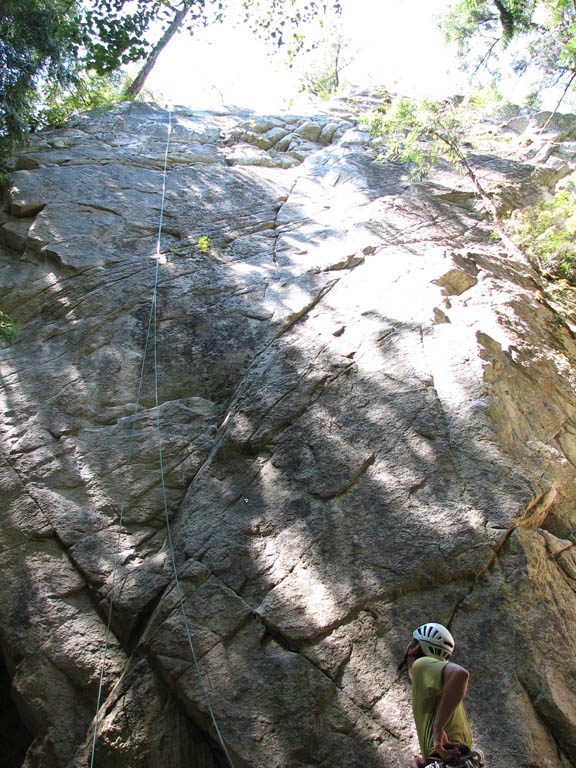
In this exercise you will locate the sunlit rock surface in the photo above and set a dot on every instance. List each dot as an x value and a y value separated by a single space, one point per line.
367 419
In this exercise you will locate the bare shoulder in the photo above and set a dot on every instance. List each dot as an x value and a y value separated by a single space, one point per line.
454 670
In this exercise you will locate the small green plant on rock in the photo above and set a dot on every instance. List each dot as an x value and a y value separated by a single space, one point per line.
8 327
547 233
204 243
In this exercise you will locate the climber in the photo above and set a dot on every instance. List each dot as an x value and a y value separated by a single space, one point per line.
438 690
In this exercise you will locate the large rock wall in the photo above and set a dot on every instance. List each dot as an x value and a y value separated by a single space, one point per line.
368 420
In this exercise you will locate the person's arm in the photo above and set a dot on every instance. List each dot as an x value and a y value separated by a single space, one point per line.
455 683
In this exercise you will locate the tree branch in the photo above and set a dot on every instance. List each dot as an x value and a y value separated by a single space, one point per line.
510 246
486 57
560 102
138 83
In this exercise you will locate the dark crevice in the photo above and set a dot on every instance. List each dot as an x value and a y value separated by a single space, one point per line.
271 636
200 749
141 623
16 738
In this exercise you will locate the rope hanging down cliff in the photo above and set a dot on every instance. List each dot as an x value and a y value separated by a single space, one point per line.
151 332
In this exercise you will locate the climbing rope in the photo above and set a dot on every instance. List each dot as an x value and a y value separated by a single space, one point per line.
152 331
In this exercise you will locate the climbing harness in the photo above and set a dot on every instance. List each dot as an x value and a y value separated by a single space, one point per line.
469 758
152 332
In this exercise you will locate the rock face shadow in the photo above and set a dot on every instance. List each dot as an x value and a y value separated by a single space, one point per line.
366 421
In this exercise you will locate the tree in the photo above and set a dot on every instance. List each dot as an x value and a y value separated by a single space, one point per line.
278 21
324 78
422 131
39 40
60 41
483 29
88 91
138 82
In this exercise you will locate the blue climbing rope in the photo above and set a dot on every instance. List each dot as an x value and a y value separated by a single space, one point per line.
152 330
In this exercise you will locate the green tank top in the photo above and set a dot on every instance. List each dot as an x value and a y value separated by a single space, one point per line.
426 692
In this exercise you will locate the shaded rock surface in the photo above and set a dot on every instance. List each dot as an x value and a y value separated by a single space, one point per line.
367 420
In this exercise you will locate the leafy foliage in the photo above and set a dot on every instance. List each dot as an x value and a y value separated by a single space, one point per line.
417 132
547 233
281 21
422 131
117 36
117 29
546 28
40 40
88 91
204 243
277 21
7 327
323 78
494 20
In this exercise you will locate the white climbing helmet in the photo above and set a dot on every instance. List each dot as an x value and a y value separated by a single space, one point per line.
435 640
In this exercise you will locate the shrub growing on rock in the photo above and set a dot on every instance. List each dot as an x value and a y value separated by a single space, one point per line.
547 233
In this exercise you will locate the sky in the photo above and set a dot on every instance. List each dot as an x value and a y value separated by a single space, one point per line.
394 44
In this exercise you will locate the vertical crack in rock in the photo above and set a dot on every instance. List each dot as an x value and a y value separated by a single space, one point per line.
275 226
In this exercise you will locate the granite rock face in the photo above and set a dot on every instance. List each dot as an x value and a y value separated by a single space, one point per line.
367 420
